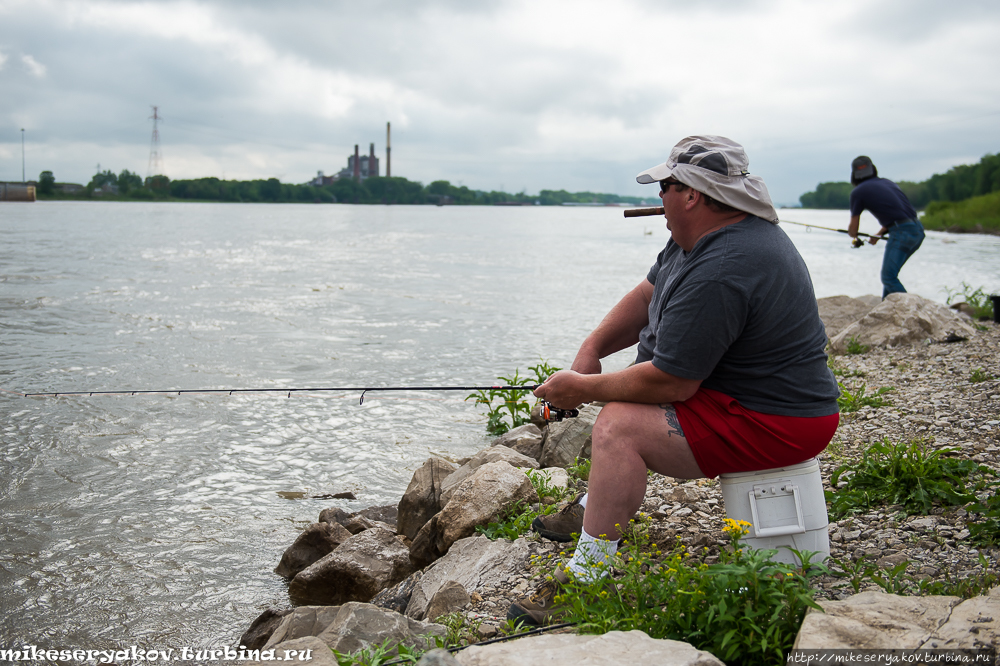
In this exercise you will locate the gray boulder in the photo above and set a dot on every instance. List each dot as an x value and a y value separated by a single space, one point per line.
356 571
422 498
486 456
526 440
317 540
397 597
839 312
905 319
876 620
483 497
261 629
354 626
614 647
449 598
438 657
569 439
472 562
307 649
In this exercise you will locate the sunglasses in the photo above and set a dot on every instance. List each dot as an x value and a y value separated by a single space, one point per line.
664 184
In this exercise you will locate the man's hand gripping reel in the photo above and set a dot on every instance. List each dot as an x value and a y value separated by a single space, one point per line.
550 413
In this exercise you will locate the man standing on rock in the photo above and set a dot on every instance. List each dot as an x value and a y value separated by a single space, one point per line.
894 212
730 375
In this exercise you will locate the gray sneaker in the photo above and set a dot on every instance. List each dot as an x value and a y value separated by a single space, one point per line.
562 525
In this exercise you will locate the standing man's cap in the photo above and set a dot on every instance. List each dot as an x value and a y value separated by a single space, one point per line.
716 166
862 168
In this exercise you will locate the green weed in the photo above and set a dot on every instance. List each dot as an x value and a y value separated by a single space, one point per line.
745 609
852 402
580 469
978 375
855 347
375 655
985 529
897 580
506 410
977 299
461 630
912 475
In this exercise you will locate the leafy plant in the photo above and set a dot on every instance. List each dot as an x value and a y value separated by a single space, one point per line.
852 402
580 469
898 581
912 475
985 530
855 347
461 630
745 609
977 299
385 652
978 375
506 410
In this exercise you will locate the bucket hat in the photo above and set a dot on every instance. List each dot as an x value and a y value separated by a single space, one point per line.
716 166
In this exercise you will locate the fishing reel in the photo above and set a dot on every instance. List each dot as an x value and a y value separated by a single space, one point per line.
857 242
550 413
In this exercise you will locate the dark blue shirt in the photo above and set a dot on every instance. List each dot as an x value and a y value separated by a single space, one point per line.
883 199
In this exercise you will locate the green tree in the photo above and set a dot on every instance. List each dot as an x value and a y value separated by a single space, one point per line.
159 185
829 196
102 178
46 182
128 181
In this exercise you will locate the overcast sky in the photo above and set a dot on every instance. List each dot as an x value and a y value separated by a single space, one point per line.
520 95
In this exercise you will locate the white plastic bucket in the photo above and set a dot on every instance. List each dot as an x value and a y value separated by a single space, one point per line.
785 507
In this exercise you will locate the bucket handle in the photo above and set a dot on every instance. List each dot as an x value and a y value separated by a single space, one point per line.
781 530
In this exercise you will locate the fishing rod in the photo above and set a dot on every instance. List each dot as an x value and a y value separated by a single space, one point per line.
548 412
857 241
644 212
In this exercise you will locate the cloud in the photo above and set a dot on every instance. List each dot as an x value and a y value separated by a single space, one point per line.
580 95
36 68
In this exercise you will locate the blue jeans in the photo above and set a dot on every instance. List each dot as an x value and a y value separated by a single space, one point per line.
904 239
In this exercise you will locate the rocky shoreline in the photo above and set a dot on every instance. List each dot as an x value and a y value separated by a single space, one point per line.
421 559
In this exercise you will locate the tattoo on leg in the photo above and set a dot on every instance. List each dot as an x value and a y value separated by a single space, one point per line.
672 421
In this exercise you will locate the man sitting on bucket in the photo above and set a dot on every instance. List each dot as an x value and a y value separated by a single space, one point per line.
730 374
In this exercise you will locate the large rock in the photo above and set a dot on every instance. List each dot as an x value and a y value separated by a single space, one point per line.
486 456
356 571
839 312
450 598
569 439
472 562
526 440
261 629
422 498
397 597
354 626
480 499
904 319
874 621
307 649
614 647
318 540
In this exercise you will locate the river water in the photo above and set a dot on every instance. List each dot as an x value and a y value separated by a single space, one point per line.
157 520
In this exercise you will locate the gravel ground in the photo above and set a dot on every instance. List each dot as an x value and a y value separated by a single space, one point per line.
934 397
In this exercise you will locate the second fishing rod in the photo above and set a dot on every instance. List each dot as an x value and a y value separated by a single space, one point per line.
857 242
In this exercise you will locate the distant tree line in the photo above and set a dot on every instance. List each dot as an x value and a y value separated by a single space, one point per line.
956 184
374 190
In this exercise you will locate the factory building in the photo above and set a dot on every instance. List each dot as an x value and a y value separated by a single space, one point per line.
359 167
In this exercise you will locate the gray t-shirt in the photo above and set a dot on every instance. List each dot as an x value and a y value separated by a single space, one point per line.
739 313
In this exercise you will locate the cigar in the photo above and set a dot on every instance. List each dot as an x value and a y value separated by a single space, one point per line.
643 212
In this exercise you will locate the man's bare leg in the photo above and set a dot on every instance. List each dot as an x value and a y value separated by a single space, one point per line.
628 439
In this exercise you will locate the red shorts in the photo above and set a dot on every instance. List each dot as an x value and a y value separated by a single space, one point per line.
726 437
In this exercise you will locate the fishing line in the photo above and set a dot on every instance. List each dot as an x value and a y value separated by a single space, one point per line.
549 412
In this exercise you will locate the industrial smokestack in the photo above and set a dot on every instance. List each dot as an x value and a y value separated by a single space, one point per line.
388 152
372 169
357 164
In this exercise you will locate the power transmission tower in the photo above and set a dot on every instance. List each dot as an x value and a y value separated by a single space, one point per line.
155 167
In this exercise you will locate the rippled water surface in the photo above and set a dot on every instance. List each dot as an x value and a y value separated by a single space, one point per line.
157 520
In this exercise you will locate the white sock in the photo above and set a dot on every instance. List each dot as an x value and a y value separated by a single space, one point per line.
592 557
583 500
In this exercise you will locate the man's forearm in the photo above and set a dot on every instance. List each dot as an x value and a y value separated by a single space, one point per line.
641 383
